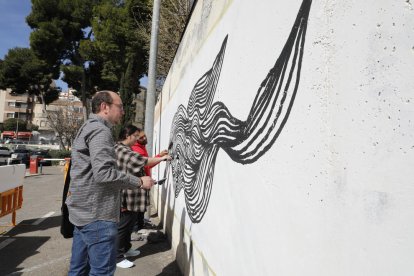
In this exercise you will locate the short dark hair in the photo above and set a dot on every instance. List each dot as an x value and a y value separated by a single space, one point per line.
101 97
127 131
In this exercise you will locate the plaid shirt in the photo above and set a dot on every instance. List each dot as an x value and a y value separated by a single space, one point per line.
132 163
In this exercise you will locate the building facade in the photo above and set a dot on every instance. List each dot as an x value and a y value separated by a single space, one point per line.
18 106
27 108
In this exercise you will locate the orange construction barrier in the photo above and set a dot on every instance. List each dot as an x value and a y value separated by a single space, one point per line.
10 201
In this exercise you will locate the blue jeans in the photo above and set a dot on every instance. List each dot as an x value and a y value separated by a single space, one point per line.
94 249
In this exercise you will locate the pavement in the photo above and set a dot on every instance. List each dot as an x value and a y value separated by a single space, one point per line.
35 246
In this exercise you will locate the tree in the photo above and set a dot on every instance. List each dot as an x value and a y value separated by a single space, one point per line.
121 48
32 127
66 124
22 71
11 124
91 41
174 15
127 97
59 29
116 41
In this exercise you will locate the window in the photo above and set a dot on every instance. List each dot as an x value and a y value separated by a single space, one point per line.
17 104
78 109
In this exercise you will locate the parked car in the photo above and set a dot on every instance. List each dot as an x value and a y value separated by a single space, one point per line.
15 141
20 146
5 152
43 154
23 155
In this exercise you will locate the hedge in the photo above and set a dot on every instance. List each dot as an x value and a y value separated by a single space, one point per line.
60 153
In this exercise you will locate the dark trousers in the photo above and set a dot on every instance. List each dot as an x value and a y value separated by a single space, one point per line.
139 224
125 225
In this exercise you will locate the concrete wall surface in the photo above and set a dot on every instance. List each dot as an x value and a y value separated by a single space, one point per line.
11 176
291 124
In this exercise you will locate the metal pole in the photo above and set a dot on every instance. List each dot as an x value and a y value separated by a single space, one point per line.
17 124
152 75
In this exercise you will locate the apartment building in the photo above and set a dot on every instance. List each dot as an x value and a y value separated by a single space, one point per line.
19 106
27 108
39 116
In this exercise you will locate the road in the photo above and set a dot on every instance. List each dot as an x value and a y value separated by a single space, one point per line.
35 247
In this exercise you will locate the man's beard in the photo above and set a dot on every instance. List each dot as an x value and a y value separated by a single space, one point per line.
143 142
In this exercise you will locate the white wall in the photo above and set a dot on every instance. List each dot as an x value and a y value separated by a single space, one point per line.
11 176
334 194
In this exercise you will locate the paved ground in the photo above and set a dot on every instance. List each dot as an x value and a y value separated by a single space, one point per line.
35 246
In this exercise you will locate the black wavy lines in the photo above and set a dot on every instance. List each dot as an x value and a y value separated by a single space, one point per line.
201 129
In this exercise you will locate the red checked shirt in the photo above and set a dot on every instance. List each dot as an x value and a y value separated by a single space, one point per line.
132 163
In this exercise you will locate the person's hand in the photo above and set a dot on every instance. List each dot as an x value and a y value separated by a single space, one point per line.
166 158
163 153
147 182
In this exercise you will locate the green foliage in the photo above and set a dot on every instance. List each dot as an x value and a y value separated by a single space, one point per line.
32 127
22 71
91 41
72 75
59 27
117 42
11 124
60 153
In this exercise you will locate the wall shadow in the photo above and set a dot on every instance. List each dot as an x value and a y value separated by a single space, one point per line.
184 250
17 251
26 226
160 244
166 215
23 247
171 270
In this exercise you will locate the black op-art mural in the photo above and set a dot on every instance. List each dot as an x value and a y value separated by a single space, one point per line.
199 130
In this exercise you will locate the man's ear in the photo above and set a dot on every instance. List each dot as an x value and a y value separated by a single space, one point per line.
103 106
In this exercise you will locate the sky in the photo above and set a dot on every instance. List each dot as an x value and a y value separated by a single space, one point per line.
14 31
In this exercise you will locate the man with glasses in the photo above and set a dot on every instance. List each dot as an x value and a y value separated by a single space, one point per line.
94 195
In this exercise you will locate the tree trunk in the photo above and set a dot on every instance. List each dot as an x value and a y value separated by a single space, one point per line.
84 100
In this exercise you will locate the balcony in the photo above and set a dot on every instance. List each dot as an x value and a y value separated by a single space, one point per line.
17 109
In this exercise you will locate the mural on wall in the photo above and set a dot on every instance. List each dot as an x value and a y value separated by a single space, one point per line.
199 130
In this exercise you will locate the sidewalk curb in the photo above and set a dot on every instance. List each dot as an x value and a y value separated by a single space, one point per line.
28 174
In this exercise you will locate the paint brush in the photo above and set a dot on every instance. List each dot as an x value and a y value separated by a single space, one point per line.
160 182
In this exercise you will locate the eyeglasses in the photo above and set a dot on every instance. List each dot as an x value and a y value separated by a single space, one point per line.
120 106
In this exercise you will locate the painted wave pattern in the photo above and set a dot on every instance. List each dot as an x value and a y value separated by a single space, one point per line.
204 126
